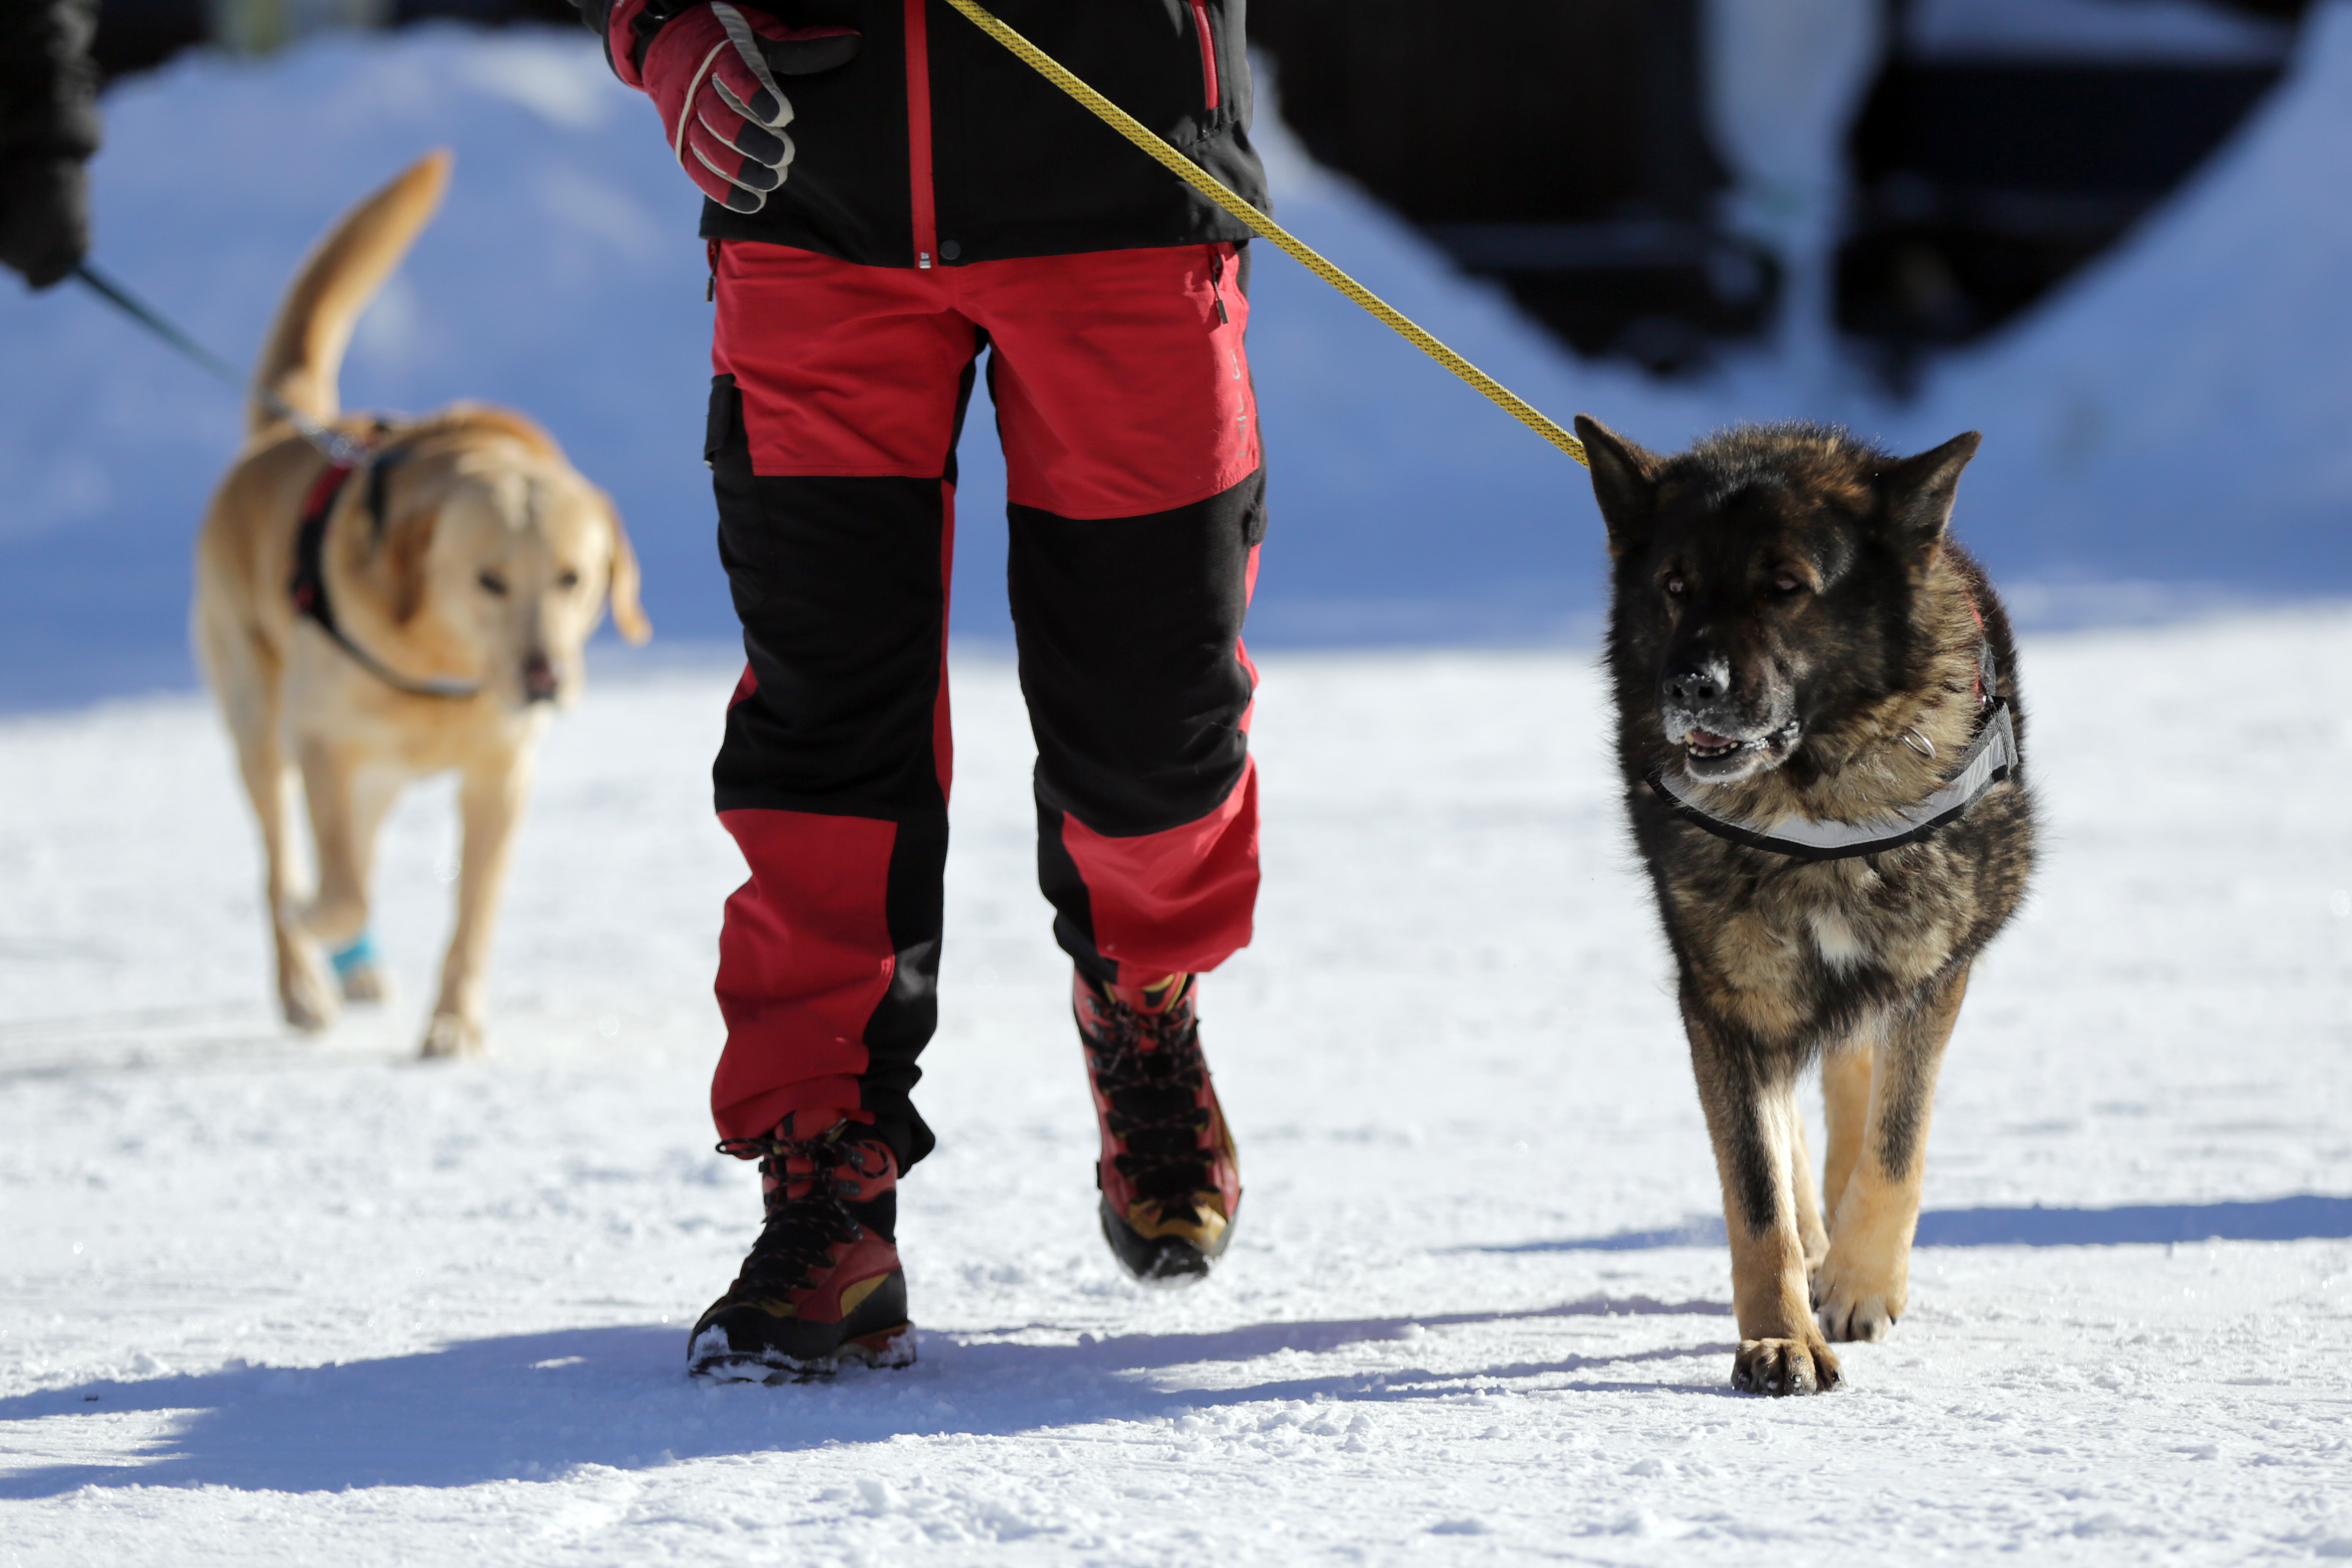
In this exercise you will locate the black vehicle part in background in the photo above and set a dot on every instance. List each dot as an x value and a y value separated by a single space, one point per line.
139 35
1979 184
1558 146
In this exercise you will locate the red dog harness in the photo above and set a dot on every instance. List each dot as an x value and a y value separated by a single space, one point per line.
307 585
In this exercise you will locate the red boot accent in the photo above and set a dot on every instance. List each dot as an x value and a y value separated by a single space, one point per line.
822 1285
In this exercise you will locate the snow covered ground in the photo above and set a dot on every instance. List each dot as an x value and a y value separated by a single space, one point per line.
266 1300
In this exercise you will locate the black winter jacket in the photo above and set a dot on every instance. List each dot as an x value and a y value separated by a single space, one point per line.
48 125
1014 166
49 89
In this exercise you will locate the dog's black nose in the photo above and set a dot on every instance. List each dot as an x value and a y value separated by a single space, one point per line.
539 681
1696 681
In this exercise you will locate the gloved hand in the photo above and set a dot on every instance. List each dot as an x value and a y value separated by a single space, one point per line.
43 217
711 72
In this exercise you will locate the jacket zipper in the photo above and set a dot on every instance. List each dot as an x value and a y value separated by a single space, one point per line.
1208 51
919 134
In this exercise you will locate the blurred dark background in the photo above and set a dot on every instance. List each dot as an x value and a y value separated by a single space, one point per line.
1979 181
139 34
1558 146
1564 147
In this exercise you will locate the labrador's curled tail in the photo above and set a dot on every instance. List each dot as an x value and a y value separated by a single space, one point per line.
304 353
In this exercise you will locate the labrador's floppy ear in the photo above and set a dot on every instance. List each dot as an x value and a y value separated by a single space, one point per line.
402 556
1917 491
628 615
1625 481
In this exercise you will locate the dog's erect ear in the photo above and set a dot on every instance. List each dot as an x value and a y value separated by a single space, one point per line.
1917 491
1625 481
628 617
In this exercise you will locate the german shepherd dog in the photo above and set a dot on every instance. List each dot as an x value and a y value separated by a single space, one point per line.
1819 726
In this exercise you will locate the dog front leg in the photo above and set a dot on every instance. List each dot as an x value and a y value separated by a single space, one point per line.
1862 1284
348 801
490 800
1812 1234
304 997
1845 1102
1751 1117
337 911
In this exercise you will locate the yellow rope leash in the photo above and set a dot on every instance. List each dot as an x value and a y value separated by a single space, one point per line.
1200 180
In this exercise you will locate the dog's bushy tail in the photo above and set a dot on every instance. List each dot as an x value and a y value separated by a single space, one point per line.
304 353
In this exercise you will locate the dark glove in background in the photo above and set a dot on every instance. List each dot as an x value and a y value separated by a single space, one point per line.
43 217
48 125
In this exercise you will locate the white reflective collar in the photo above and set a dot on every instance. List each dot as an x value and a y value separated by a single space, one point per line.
1991 758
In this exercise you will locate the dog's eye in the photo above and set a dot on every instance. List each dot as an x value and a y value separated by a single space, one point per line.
568 581
1786 584
1675 587
492 583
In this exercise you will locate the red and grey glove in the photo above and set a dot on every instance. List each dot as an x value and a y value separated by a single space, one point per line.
711 72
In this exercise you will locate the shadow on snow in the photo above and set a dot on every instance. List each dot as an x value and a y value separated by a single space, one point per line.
534 1406
2303 1217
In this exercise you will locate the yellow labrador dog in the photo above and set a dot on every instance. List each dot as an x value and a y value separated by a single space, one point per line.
418 610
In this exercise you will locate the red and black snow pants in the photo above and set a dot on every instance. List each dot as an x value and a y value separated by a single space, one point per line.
1137 504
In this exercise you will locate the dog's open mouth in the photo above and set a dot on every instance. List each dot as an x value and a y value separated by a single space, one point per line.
1718 759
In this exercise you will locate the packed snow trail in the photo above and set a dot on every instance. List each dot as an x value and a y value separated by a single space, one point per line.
270 1300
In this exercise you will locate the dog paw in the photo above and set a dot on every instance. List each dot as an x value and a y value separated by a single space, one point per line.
359 970
1852 1303
364 982
450 1036
308 1002
1844 1320
1778 1367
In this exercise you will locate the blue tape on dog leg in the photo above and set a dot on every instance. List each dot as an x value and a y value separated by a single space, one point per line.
359 955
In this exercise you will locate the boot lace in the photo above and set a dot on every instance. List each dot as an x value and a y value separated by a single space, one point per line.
801 1231
1150 1068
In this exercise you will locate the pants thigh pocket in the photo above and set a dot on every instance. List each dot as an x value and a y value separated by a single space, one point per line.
746 549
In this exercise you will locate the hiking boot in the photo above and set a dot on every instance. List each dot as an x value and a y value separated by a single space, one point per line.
822 1286
1170 1181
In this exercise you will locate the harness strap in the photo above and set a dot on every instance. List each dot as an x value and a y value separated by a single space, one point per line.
307 585
1988 673
379 475
1992 757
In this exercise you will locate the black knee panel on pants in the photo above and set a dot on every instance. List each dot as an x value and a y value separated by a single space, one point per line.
1129 632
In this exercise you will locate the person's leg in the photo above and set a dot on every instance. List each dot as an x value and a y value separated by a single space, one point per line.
1138 505
831 444
1140 691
